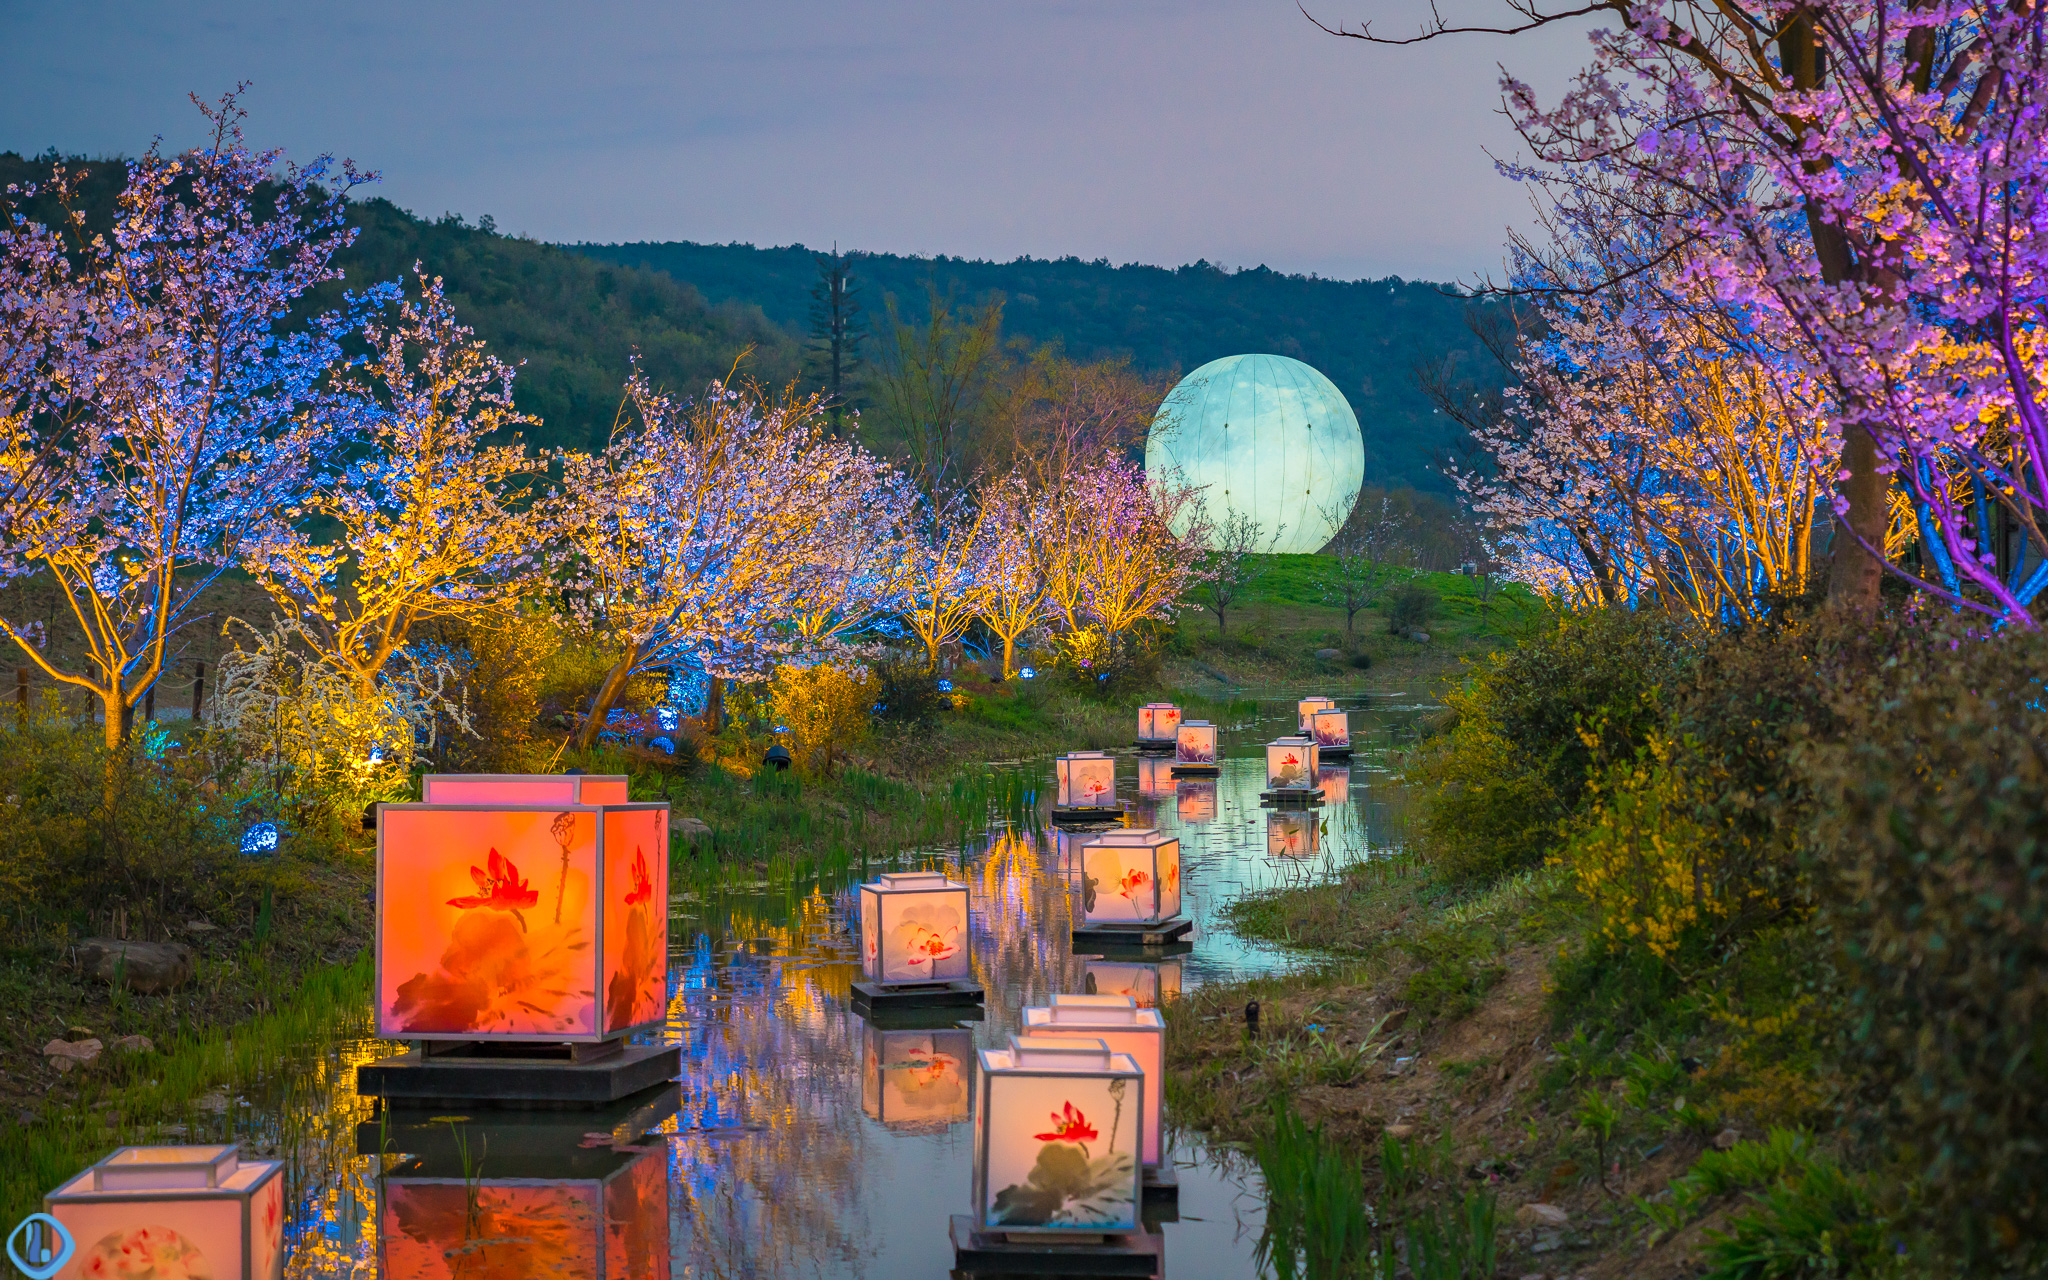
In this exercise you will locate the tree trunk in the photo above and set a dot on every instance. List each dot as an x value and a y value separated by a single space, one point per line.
607 693
1009 652
1856 572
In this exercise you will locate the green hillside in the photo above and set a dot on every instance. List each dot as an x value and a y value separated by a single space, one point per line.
1367 336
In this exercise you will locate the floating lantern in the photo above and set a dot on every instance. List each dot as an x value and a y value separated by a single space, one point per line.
913 928
1195 800
917 1080
1194 747
1155 777
1118 1022
524 788
1305 710
1149 983
1057 1137
521 921
1331 728
1335 781
1158 724
1291 765
1087 780
1130 877
187 1211
1293 833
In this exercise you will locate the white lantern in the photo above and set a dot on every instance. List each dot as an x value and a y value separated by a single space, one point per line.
1331 728
1155 777
1087 780
197 1211
1306 709
1291 765
1151 983
1195 800
1195 745
1130 877
1118 1022
1057 1138
917 1080
1335 780
913 929
1293 833
1158 724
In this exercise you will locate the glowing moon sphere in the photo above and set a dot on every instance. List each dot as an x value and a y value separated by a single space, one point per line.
1267 436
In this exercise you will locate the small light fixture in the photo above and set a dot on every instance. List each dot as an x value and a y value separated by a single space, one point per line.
1027 674
260 840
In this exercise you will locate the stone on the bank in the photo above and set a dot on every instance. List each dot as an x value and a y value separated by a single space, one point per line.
683 830
1541 1215
1419 637
133 1044
1726 1139
146 968
1399 1131
1329 655
66 1054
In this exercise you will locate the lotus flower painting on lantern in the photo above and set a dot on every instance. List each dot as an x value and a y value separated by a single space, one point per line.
1291 765
1130 877
1087 780
1195 800
1331 727
914 929
174 1213
1158 722
1057 1123
488 921
1293 833
916 1080
1195 743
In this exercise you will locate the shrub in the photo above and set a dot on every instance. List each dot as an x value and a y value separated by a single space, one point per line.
907 694
823 710
1936 815
1410 607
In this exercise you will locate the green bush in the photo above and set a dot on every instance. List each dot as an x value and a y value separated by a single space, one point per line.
1410 607
1935 815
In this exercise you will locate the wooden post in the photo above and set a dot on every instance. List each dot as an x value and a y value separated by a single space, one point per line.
198 690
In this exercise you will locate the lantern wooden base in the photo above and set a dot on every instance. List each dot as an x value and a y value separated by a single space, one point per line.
1162 1184
1153 744
499 1075
1195 770
931 1018
1133 935
1083 814
526 1143
1119 949
1333 753
976 1252
923 995
1299 797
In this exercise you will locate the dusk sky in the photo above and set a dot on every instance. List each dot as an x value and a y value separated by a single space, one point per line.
1136 130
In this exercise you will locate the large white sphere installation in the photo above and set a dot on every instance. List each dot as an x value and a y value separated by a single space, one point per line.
1267 436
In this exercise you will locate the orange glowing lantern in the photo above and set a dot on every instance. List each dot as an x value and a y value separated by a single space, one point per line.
917 1080
1149 983
1158 724
1195 801
1087 780
521 921
1155 777
1056 1149
1291 765
524 788
1293 833
1130 877
1335 780
1331 728
1305 710
1195 745
914 929
1118 1022
175 1212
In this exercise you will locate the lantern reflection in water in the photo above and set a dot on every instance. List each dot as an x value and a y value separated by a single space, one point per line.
1118 1022
174 1213
1194 800
1151 983
1293 833
1335 780
1067 846
1155 777
475 942
1130 877
1056 1120
1305 710
916 1080
1087 780
913 928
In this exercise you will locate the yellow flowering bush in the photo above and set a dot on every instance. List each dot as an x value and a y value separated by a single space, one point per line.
823 710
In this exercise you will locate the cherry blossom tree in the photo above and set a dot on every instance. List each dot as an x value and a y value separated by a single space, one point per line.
948 571
1015 603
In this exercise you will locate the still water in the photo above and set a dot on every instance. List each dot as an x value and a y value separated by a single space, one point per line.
802 1140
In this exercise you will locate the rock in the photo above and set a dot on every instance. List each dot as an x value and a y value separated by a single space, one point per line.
78 1033
66 1054
146 968
1393 1020
683 830
1329 655
199 926
1726 1139
1419 637
1399 1131
215 1103
1541 1215
133 1044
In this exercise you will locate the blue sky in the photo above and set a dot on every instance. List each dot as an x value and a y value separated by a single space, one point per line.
1135 130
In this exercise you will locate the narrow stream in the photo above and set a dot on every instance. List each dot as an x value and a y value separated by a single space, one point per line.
795 1144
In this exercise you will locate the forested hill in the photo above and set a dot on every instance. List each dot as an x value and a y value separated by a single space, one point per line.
1367 336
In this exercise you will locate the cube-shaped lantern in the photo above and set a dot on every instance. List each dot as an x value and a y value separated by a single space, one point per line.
521 921
1196 743
1335 781
1305 710
1159 722
913 928
1130 877
1151 983
183 1211
1195 800
1155 777
1057 1138
917 1080
1087 780
524 788
1291 765
1331 728
1118 1022
1293 833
